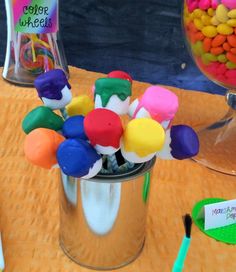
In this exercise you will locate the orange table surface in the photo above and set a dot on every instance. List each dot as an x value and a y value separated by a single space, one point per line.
29 210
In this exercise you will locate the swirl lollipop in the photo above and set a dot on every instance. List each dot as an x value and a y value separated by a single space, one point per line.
158 103
181 143
112 94
77 158
37 60
54 89
141 140
40 147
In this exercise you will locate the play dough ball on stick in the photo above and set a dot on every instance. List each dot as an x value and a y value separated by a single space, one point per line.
181 143
54 89
141 140
77 158
104 130
112 94
121 75
42 117
73 127
158 103
80 105
41 145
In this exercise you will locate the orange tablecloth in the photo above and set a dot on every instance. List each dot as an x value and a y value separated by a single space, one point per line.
29 214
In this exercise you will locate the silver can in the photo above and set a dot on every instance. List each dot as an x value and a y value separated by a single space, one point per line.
103 220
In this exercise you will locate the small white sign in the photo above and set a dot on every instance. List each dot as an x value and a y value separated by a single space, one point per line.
218 214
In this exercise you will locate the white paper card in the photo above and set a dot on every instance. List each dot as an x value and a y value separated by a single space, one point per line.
219 214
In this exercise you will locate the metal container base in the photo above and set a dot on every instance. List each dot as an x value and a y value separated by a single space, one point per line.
101 268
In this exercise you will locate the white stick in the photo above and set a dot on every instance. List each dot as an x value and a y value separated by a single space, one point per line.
2 263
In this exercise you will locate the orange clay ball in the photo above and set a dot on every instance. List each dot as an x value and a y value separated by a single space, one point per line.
41 145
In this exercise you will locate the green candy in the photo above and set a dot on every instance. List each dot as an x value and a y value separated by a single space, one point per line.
222 58
230 65
210 57
106 87
42 117
197 48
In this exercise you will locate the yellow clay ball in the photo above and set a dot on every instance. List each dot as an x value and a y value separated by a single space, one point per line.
80 105
143 136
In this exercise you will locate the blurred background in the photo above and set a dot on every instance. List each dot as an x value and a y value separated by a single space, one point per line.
141 37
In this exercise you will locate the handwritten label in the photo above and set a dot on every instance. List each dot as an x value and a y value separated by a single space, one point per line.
219 214
35 16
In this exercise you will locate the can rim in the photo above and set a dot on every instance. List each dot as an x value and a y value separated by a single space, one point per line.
144 167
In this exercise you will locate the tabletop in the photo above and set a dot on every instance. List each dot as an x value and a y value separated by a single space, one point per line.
29 210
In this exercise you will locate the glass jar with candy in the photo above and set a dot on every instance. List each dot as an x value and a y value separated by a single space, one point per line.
33 41
210 30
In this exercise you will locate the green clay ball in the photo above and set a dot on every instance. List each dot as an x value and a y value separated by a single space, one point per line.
42 117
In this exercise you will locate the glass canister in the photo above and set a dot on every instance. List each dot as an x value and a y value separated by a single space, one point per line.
33 41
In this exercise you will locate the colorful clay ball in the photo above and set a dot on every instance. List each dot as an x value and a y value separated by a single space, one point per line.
112 94
141 140
54 89
184 142
104 130
73 127
77 158
40 147
121 75
42 117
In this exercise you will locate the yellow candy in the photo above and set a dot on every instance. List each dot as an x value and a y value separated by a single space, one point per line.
222 58
206 20
192 17
198 23
198 13
211 12
231 22
143 136
232 14
80 105
224 29
222 13
214 21
209 31
230 65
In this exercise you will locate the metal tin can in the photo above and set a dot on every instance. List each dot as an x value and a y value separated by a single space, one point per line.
103 220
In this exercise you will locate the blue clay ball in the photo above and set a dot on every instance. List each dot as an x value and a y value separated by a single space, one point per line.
76 157
184 142
73 128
